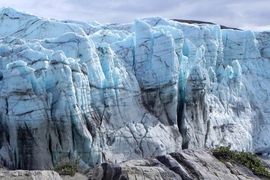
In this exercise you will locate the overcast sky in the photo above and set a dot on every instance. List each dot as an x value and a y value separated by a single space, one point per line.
243 14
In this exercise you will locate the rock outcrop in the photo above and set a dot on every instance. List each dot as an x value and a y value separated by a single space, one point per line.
28 175
186 165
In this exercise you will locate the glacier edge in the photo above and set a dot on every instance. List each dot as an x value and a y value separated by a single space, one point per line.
114 92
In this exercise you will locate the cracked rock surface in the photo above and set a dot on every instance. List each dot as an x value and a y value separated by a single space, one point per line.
186 165
28 175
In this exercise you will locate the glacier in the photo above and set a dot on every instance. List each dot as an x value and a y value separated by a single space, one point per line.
113 92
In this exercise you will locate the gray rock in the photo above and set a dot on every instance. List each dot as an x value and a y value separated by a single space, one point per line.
77 176
186 165
28 175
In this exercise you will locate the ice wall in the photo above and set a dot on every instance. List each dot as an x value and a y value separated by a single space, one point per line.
114 92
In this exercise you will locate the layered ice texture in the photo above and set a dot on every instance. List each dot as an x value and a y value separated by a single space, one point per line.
112 92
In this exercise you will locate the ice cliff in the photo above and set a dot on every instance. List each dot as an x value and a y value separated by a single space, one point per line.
112 92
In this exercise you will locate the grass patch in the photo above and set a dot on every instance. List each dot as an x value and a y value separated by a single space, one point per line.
68 168
87 171
251 161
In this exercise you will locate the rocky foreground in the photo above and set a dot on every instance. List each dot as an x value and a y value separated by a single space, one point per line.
186 165
28 175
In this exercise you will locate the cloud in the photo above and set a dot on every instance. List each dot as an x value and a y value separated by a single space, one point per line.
122 11
245 14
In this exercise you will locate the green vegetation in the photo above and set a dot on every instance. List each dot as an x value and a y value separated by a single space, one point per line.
247 159
68 168
87 171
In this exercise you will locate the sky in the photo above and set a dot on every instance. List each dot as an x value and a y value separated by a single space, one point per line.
242 14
